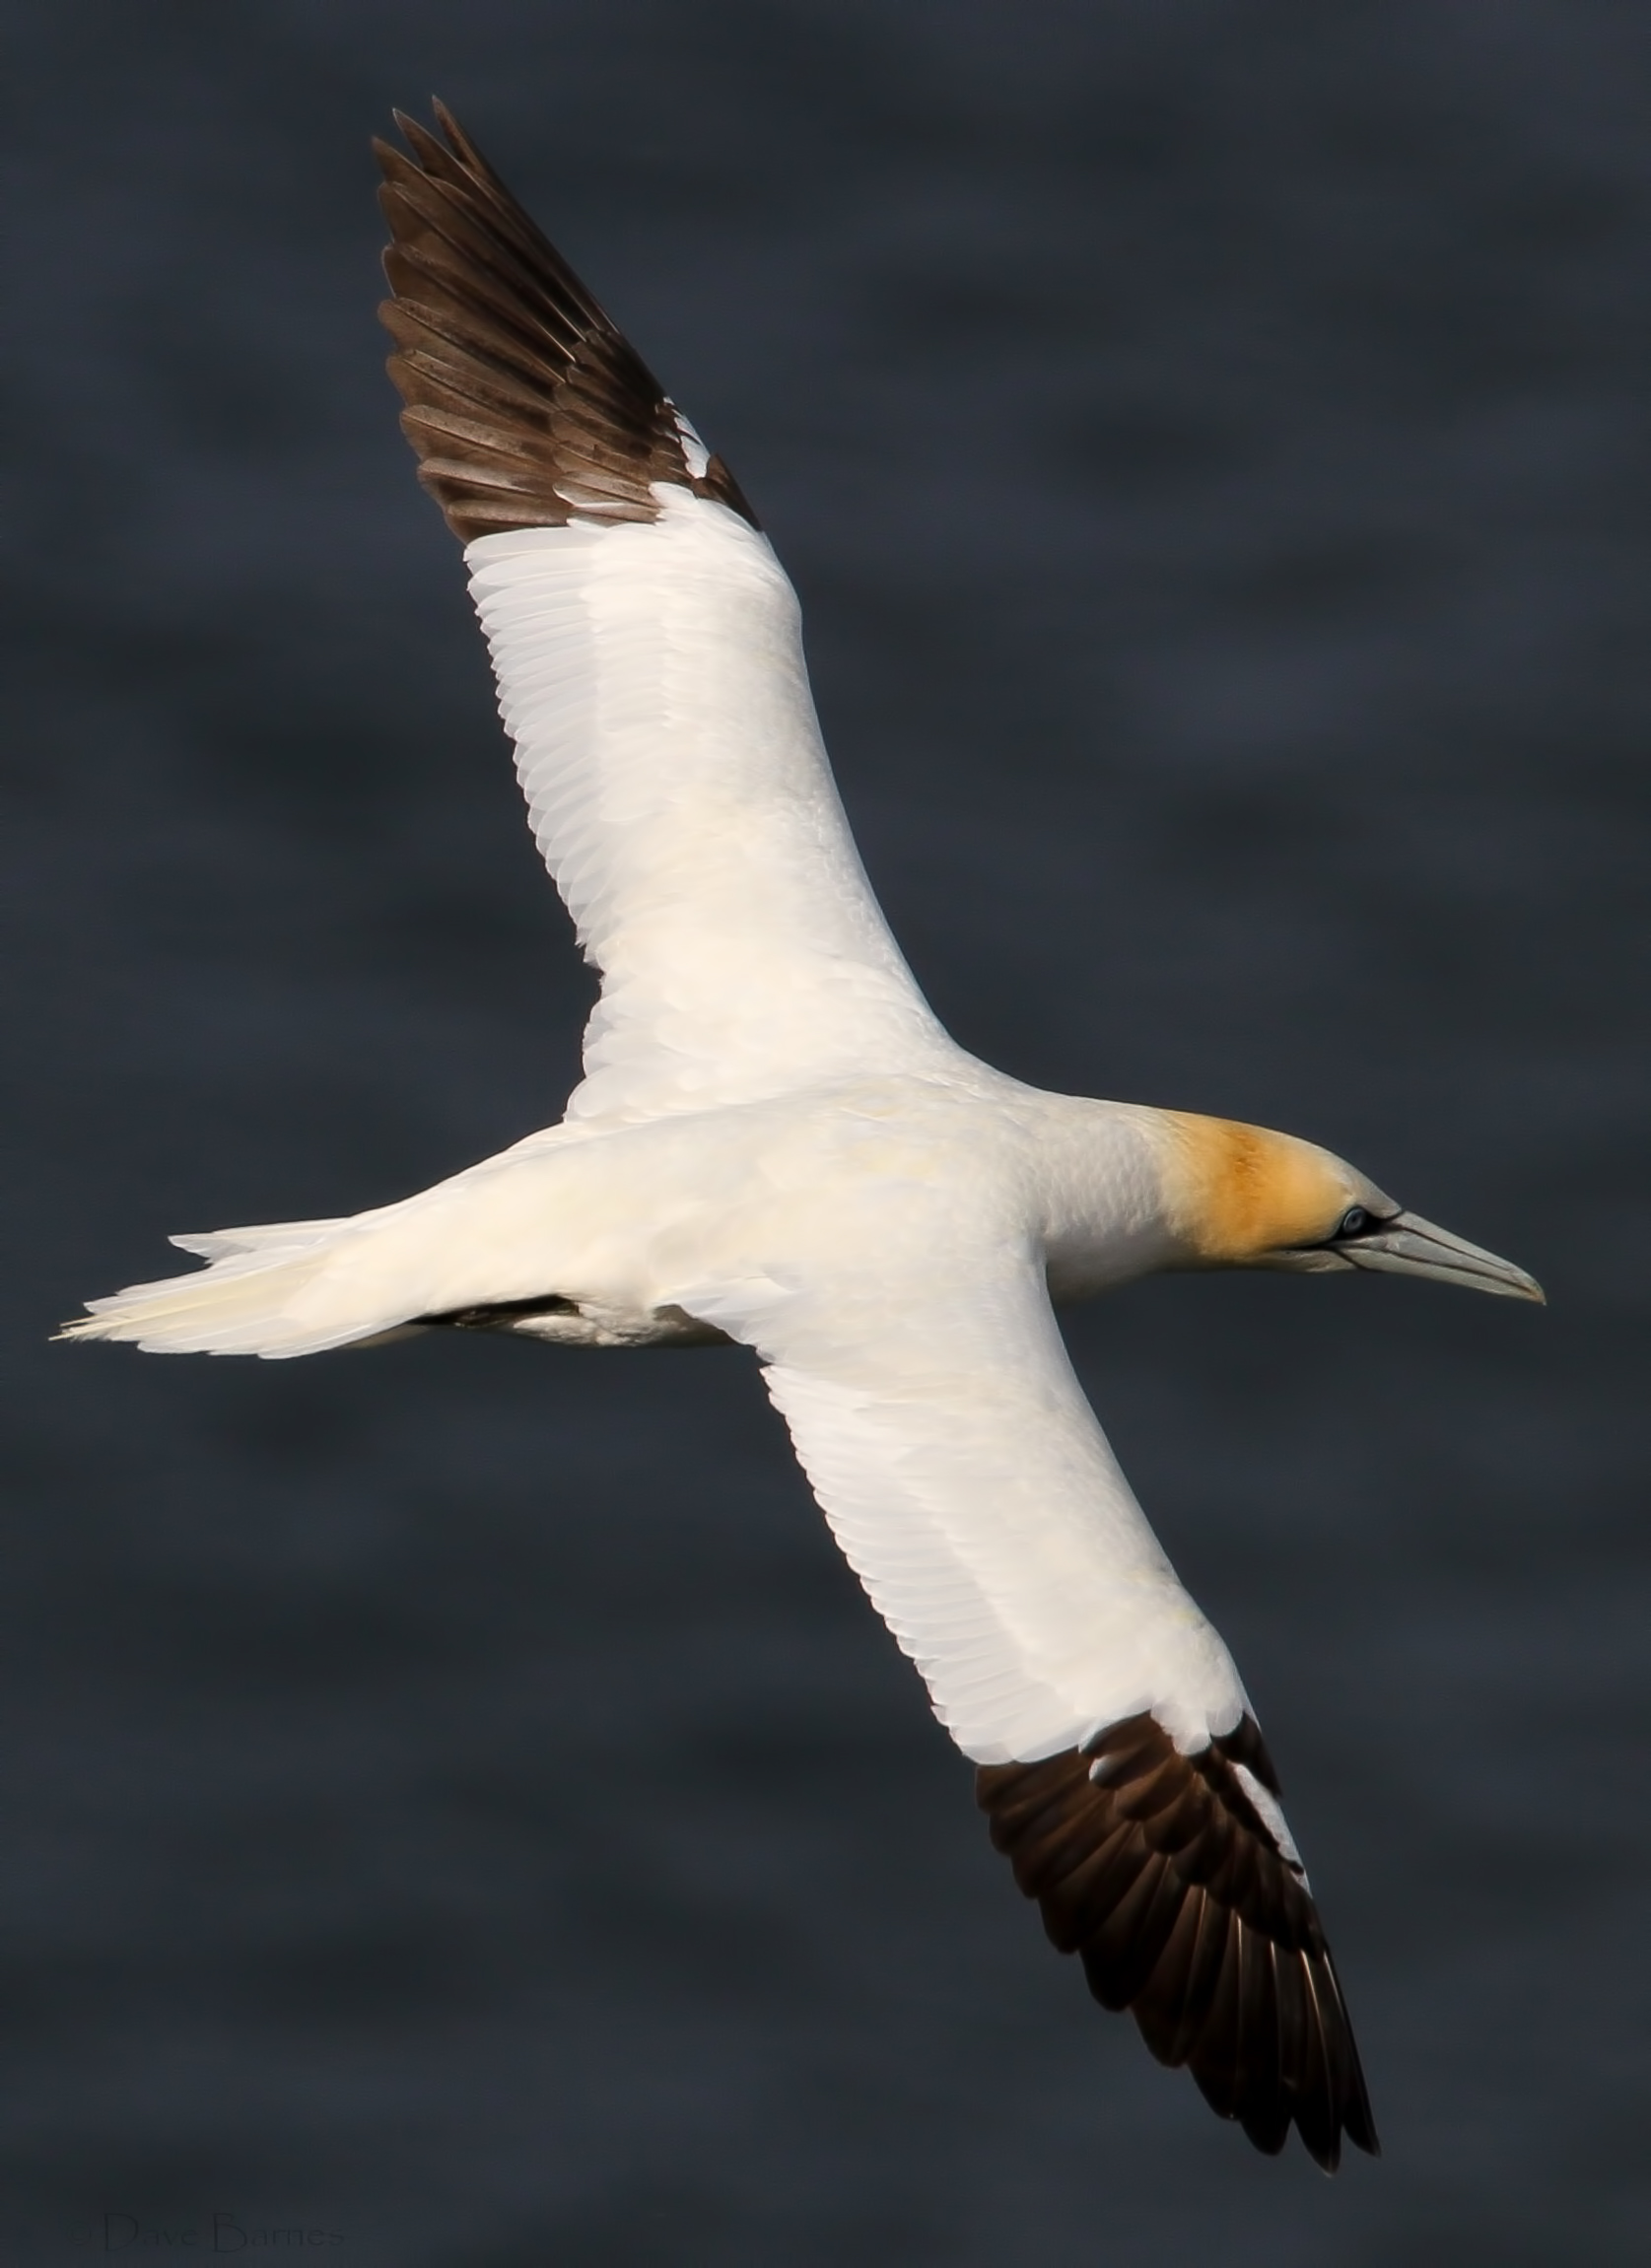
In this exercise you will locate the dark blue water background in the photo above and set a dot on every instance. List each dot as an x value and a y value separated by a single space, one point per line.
455 1800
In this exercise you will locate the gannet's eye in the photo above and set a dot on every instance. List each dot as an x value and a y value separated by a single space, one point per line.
1354 1222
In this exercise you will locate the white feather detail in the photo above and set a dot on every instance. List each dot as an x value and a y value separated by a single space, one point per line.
970 1488
1273 1816
653 679
695 455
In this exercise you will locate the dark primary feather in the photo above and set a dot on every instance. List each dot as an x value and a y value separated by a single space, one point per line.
525 405
1158 1871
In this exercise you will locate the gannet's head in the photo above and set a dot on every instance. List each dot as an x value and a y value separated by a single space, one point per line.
1243 1197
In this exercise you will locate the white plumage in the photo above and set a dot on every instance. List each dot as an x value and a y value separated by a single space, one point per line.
652 677
776 1142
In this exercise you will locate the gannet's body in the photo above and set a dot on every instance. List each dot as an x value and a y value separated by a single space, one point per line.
776 1144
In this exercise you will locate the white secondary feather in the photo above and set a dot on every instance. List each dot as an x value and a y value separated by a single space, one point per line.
994 1532
652 677
936 1411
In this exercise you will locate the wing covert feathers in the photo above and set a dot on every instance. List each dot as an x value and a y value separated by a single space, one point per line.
1161 1872
525 405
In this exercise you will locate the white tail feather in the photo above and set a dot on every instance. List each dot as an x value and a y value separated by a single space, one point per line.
243 1303
220 1243
497 1232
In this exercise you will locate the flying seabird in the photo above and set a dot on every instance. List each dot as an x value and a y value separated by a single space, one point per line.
776 1144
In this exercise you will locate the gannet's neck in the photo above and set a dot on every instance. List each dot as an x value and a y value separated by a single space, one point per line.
1132 1190
1102 1171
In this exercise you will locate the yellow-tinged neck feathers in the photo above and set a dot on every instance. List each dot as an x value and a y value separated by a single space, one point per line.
1234 1192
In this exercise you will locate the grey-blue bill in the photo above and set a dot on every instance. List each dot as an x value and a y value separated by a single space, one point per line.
1404 1244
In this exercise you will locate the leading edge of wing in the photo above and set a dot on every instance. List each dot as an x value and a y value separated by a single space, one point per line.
525 405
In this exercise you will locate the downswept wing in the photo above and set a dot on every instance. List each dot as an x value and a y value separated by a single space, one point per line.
965 1477
648 653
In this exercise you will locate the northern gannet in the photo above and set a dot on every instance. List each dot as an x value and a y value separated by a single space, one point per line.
776 1144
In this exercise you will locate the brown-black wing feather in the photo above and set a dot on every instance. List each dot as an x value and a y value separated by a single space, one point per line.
525 404
1160 1871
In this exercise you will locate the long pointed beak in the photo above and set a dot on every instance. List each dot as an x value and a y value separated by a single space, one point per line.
1407 1245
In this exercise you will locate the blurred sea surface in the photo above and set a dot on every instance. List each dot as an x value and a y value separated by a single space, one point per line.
454 1798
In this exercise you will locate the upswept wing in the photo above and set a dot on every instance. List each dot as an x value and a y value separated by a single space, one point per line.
964 1474
648 653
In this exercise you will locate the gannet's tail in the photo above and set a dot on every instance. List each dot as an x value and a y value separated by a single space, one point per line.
500 1242
260 1294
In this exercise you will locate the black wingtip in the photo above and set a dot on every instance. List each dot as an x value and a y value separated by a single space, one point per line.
524 403
1184 1908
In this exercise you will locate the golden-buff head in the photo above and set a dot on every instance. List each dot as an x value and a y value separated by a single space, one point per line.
1239 1196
